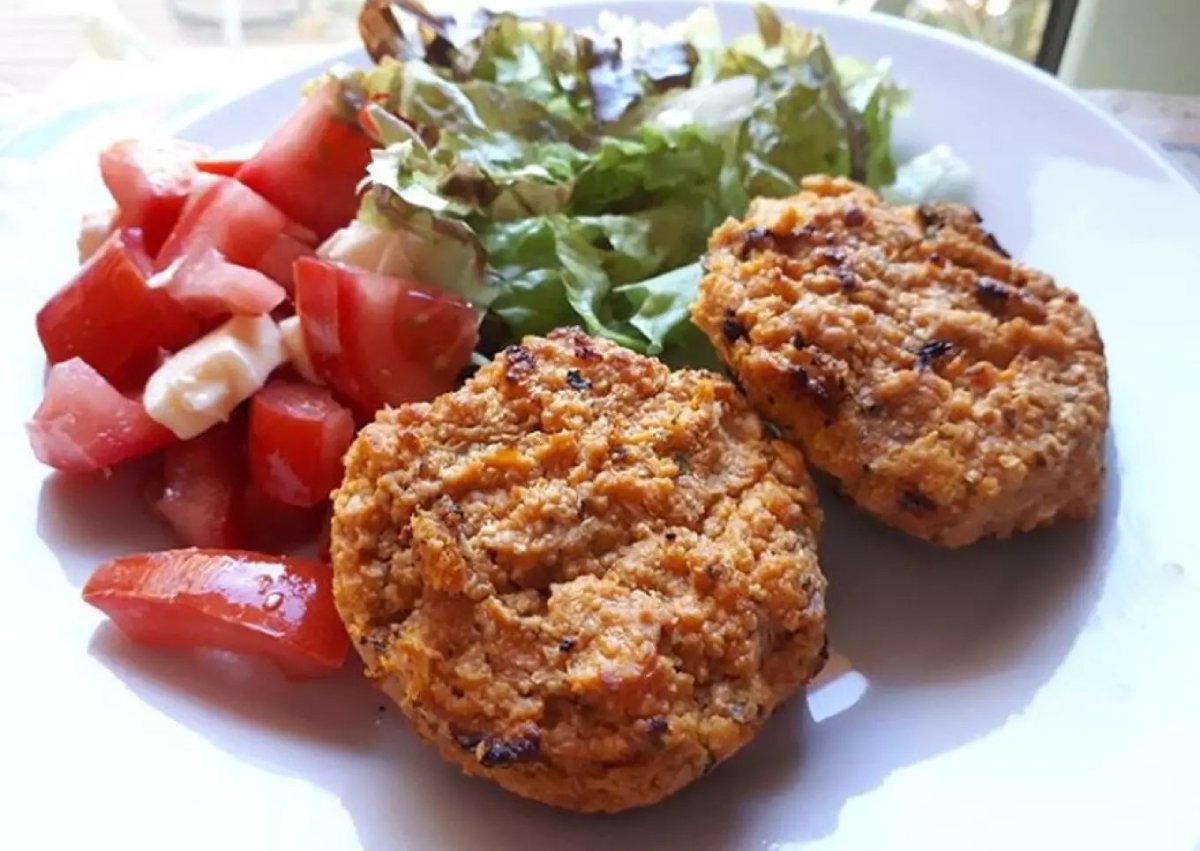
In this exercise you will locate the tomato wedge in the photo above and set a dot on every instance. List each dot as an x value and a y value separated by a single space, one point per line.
311 166
85 424
276 607
379 340
150 179
109 315
298 435
207 285
239 223
201 487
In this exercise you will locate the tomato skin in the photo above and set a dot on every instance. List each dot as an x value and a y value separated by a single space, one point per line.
201 487
298 435
85 424
312 165
236 221
109 316
223 166
276 607
317 296
150 179
380 340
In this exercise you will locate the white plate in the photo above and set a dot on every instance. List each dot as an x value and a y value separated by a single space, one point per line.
1038 693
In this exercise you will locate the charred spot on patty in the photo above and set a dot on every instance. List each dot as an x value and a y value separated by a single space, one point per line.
989 239
576 380
931 351
499 752
846 279
756 239
731 329
466 739
520 363
992 293
930 216
831 256
656 730
915 502
817 387
584 350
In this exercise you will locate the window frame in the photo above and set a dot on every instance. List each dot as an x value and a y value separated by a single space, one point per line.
1055 34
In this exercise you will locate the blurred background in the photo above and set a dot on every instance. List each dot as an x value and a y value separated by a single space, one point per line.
39 35
1092 42
162 57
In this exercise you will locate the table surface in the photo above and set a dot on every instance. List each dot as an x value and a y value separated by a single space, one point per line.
40 42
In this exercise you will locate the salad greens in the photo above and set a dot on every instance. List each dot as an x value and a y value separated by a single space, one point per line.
557 177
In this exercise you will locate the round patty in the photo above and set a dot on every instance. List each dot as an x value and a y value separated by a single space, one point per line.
951 391
583 576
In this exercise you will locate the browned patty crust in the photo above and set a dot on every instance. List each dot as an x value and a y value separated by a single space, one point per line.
581 575
952 392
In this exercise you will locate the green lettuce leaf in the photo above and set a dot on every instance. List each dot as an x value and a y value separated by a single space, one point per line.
524 268
657 165
810 113
872 93
558 176
557 270
573 74
537 60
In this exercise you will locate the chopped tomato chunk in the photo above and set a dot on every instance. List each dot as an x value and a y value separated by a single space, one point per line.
109 316
298 435
150 181
85 424
203 282
239 223
379 340
276 607
311 166
202 482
